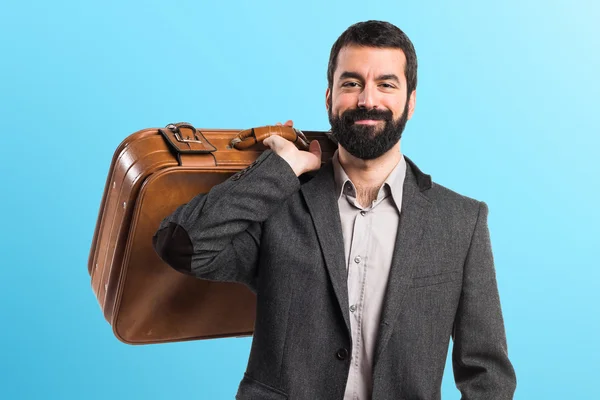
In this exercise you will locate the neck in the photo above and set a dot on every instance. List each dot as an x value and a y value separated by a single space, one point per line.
369 173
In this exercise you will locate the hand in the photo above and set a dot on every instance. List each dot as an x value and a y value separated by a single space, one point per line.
300 161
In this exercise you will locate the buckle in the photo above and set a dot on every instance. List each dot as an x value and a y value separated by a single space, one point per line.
180 139
175 129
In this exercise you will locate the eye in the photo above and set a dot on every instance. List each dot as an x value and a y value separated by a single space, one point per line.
350 84
387 85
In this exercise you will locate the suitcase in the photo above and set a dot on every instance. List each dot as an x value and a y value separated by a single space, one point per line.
152 172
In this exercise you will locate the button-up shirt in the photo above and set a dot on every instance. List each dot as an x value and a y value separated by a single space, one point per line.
369 241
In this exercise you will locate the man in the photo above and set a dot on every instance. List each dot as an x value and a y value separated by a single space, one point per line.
363 268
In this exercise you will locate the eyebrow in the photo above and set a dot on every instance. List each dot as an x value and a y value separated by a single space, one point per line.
355 75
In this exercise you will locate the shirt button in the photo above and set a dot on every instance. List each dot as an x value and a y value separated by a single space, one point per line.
363 213
357 259
353 308
342 354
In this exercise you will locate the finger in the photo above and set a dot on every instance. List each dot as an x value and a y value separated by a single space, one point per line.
278 124
315 148
273 142
289 122
268 142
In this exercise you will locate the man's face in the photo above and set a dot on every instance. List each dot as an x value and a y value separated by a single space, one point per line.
367 105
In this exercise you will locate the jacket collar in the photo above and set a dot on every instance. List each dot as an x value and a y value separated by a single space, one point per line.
320 196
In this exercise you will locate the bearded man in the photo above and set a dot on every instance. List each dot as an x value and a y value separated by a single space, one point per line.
364 269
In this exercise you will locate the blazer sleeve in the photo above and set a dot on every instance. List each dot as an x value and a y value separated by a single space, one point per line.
480 361
216 236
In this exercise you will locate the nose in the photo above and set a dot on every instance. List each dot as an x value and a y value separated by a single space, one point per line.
368 97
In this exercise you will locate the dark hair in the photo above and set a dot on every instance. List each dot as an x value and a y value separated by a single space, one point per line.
376 34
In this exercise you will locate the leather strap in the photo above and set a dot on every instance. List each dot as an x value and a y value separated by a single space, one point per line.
185 139
249 137
188 144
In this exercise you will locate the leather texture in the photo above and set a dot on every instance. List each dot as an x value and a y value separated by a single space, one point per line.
249 137
152 172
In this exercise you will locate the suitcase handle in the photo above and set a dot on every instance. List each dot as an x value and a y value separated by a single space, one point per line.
249 137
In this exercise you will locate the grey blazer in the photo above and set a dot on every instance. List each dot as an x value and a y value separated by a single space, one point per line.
281 236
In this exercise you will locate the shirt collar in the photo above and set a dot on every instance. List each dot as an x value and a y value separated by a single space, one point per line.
393 183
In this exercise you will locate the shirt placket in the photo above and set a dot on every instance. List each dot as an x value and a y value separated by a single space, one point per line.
357 278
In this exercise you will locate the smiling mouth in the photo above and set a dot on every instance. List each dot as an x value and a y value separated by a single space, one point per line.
367 121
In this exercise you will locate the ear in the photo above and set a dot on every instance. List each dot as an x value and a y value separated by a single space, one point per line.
327 98
412 103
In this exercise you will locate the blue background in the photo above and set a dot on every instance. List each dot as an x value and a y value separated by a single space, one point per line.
506 113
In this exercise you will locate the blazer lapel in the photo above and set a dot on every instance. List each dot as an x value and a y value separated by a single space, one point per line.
319 194
414 221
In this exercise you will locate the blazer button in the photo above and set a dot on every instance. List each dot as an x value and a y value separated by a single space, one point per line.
342 354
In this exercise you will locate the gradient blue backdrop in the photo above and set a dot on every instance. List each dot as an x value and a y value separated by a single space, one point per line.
506 113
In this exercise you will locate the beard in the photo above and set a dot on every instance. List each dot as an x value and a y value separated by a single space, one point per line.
367 142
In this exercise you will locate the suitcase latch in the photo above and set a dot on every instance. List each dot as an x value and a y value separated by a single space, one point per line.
195 140
177 133
183 138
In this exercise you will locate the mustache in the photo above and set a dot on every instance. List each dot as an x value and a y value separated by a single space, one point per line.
358 114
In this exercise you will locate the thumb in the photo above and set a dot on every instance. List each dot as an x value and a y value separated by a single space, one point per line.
315 148
273 142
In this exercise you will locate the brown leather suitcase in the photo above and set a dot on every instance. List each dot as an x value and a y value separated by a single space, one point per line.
152 172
